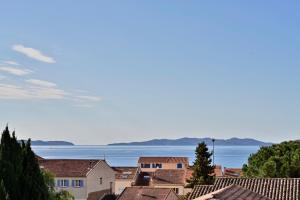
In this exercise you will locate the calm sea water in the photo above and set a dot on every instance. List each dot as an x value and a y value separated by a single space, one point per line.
227 156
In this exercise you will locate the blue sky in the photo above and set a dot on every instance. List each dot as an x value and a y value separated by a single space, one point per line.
95 72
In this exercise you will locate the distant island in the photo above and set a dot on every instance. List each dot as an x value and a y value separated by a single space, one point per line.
194 141
50 143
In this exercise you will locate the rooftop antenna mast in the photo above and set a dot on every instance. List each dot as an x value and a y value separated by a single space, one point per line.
213 151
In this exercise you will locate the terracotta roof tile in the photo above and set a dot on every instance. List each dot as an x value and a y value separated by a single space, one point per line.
147 193
169 176
273 188
39 158
233 192
233 172
184 160
68 167
128 173
217 172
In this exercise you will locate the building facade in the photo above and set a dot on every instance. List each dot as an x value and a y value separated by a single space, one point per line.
151 164
81 177
125 177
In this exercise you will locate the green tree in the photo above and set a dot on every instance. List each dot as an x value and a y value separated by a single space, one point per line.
203 169
19 171
276 161
3 193
32 176
61 195
64 195
20 175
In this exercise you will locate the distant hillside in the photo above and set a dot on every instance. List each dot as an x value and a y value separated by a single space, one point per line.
53 143
195 141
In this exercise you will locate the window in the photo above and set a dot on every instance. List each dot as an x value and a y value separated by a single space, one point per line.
100 181
77 183
62 183
156 165
179 165
145 165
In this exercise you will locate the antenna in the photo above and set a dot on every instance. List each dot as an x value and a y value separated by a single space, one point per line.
213 141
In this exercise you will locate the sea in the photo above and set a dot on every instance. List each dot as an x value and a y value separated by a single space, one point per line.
227 156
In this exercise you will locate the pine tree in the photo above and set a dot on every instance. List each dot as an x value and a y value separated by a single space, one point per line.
202 167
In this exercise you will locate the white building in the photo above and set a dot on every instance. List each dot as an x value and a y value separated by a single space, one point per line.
85 179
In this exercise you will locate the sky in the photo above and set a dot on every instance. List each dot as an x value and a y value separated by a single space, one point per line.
98 72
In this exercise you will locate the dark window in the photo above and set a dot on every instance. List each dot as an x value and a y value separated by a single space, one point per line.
100 181
77 183
145 165
62 183
156 165
179 165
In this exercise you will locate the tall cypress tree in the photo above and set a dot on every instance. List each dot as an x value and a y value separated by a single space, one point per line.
3 193
32 176
10 163
19 170
203 169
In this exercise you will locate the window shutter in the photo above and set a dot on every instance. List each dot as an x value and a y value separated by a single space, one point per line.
67 183
81 183
73 183
58 183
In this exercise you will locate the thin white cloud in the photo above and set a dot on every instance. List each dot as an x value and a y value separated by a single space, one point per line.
47 93
15 71
89 98
33 53
40 83
36 89
10 62
8 91
12 92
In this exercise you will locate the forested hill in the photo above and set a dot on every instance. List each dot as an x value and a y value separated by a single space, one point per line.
195 141
50 143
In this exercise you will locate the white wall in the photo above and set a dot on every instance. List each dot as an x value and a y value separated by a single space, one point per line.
101 170
121 184
78 193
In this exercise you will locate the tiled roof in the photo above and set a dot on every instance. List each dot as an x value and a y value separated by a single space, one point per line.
217 172
184 160
233 192
98 194
273 188
68 167
233 172
147 193
126 173
39 158
169 176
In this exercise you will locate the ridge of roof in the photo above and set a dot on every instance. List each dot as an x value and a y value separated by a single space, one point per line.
69 167
273 188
